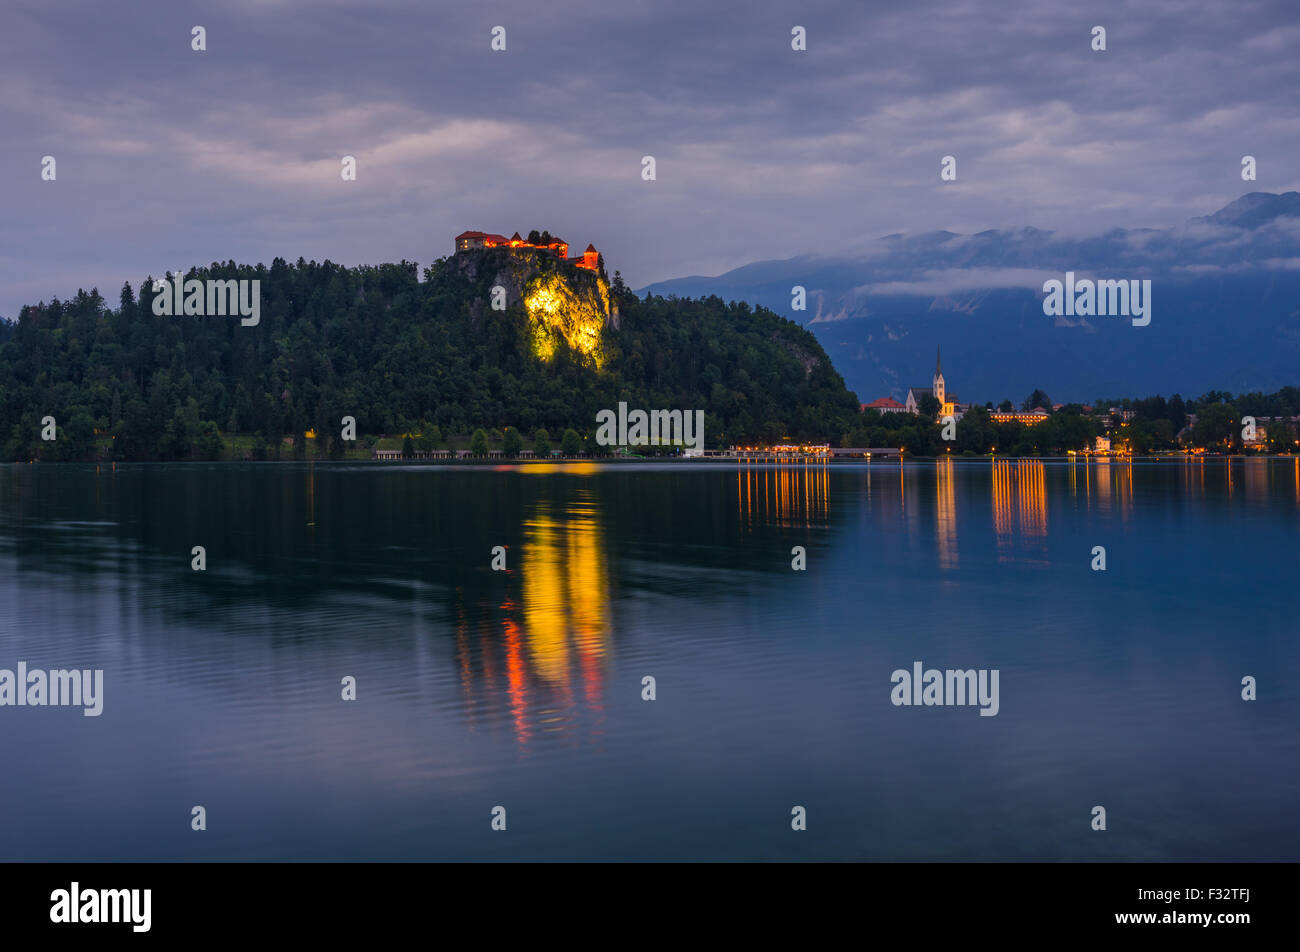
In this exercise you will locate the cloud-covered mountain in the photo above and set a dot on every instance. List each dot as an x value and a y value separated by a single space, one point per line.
1225 307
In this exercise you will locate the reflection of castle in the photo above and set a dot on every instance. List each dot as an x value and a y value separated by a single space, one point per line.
469 240
543 670
565 593
945 513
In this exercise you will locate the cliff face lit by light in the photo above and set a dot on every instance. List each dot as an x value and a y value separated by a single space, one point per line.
559 310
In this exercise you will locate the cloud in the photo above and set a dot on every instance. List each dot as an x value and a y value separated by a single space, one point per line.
167 155
952 280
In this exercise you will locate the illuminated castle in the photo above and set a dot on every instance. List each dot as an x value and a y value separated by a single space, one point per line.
469 240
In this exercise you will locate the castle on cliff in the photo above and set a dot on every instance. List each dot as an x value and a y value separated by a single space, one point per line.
469 240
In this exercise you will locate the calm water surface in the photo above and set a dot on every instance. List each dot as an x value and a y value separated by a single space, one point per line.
523 688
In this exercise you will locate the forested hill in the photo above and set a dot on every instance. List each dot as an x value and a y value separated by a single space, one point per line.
399 354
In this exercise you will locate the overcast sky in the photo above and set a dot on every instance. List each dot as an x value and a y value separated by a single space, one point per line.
169 158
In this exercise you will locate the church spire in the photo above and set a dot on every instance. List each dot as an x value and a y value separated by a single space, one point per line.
938 367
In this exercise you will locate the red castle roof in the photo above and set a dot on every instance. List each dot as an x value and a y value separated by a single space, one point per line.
556 245
481 234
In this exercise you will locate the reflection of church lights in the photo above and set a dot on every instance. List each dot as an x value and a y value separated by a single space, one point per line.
946 513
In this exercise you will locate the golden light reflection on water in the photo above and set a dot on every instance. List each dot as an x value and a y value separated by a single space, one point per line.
1125 481
543 590
1192 476
945 513
1019 504
549 469
1104 486
539 661
516 679
797 495
1256 478
565 611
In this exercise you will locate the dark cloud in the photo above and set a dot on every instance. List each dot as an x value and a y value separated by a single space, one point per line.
167 157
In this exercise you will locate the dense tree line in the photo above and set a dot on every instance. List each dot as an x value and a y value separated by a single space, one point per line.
428 357
1212 421
1152 424
397 353
976 433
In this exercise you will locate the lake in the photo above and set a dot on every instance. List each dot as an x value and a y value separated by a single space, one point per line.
523 688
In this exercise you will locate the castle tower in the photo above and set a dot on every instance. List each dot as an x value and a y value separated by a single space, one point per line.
938 379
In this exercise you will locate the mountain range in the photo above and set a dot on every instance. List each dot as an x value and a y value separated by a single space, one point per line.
1225 307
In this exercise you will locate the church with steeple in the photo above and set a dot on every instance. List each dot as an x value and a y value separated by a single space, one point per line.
948 405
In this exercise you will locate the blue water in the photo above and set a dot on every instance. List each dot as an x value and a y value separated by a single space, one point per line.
523 688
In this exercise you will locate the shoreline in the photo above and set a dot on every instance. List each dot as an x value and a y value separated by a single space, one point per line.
674 460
